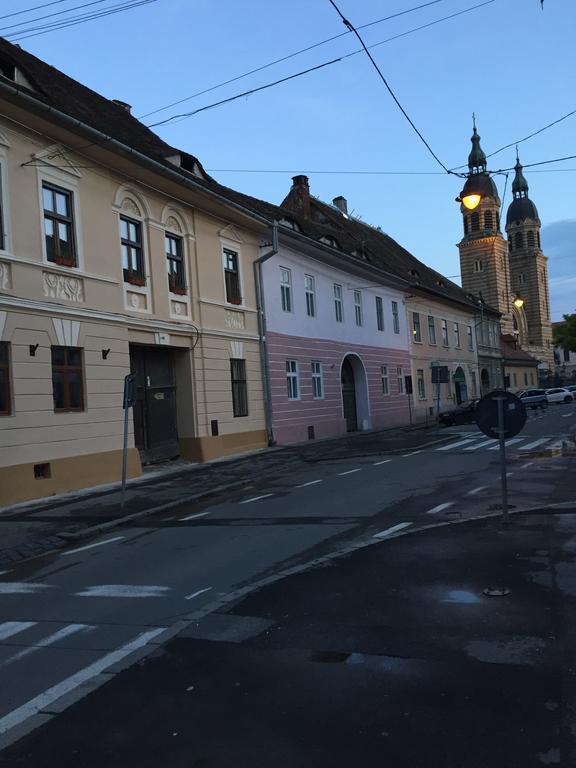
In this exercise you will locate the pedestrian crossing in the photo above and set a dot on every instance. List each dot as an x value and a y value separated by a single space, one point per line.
476 442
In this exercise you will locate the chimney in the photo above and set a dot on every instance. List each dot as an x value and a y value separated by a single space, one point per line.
127 107
341 203
300 193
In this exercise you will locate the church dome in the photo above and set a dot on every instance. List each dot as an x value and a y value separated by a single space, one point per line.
520 209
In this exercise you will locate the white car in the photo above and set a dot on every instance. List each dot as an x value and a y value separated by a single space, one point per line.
559 395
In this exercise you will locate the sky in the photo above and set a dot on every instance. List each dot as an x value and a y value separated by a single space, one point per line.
509 61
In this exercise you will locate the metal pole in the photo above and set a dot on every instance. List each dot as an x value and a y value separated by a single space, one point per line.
503 477
124 455
410 408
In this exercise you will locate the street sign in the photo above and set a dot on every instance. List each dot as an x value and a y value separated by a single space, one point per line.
440 374
514 414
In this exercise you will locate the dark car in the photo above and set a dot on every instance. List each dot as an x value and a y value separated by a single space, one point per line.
463 414
533 398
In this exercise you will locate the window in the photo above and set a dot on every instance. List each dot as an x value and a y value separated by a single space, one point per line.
470 338
286 289
431 330
385 381
465 225
317 381
232 277
338 303
175 264
400 380
532 378
488 220
530 239
310 290
292 380
5 400
67 379
132 253
358 307
525 378
521 278
444 325
456 334
515 380
416 331
239 388
421 385
474 384
478 265
58 226
566 355
379 314
519 240
2 230
395 317
475 221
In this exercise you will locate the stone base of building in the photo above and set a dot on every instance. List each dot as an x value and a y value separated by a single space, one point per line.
25 482
206 448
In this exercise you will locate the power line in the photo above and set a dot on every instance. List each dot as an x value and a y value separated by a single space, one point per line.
389 89
51 15
287 57
34 8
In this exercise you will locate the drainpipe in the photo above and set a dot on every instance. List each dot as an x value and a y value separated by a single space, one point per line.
261 309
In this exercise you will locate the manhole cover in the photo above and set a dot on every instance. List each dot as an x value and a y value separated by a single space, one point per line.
497 507
496 591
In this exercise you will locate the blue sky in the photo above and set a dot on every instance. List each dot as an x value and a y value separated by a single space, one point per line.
509 61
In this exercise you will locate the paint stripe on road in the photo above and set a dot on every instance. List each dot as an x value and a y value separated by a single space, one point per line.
11 628
508 442
71 629
123 590
310 482
193 517
474 491
412 453
348 472
379 463
390 531
91 546
456 445
567 415
529 446
198 592
20 588
440 508
481 444
256 498
48 697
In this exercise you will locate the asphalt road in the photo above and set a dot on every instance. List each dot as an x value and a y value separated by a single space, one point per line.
70 621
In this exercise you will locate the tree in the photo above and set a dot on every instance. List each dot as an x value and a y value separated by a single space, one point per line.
565 333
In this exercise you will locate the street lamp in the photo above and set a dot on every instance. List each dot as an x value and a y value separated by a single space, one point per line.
477 186
518 301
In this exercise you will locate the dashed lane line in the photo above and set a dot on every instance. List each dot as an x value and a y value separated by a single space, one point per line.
412 453
475 491
535 443
20 588
457 445
525 466
197 593
348 472
193 517
310 482
91 546
379 463
256 498
508 442
124 590
71 629
440 508
390 531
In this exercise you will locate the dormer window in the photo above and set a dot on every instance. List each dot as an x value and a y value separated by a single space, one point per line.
290 223
414 273
488 220
441 283
329 240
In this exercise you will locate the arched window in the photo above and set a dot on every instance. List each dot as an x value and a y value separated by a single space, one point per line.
519 240
475 221
531 239
488 220
465 225
538 238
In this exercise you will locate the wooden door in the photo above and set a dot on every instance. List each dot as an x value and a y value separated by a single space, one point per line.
349 396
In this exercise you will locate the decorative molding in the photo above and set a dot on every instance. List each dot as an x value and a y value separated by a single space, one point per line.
68 287
173 224
179 308
5 276
130 206
4 140
61 270
235 320
67 331
230 233
2 323
162 338
237 350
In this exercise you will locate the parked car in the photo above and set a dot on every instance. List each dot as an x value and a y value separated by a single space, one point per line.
463 414
572 389
559 395
533 398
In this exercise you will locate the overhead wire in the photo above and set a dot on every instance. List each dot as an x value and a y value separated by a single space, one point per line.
33 8
51 15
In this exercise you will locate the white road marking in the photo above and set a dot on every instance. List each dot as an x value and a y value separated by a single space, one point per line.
378 463
476 490
508 442
10 628
199 592
534 444
20 588
440 508
567 415
71 629
193 517
457 445
348 472
482 444
390 531
123 590
311 482
256 498
3 573
509 474
91 546
525 466
48 697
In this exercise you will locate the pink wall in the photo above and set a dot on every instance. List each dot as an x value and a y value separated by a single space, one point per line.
291 418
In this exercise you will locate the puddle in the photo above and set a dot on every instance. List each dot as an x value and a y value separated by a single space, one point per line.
332 657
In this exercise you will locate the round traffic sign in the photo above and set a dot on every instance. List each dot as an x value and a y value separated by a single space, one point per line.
514 412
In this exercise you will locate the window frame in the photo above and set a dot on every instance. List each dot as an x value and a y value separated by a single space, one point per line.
444 332
395 317
416 328
432 331
57 220
358 313
385 380
456 332
5 366
338 302
310 295
65 370
293 379
3 232
129 275
232 277
400 380
317 371
175 285
239 386
379 313
286 290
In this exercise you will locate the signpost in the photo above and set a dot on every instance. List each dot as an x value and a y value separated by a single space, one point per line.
501 415
128 401
440 375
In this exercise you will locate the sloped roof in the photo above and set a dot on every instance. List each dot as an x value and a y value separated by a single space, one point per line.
513 354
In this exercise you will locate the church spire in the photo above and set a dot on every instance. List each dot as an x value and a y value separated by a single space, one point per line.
476 159
519 185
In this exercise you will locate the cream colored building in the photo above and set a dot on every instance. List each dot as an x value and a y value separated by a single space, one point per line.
443 336
117 254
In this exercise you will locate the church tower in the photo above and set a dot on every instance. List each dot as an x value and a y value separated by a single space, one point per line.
529 270
483 252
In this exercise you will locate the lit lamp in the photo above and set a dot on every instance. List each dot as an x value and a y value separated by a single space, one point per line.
474 190
518 302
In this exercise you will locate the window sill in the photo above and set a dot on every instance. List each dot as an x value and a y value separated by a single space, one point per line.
69 410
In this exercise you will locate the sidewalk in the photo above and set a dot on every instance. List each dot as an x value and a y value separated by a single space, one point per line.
39 526
393 654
